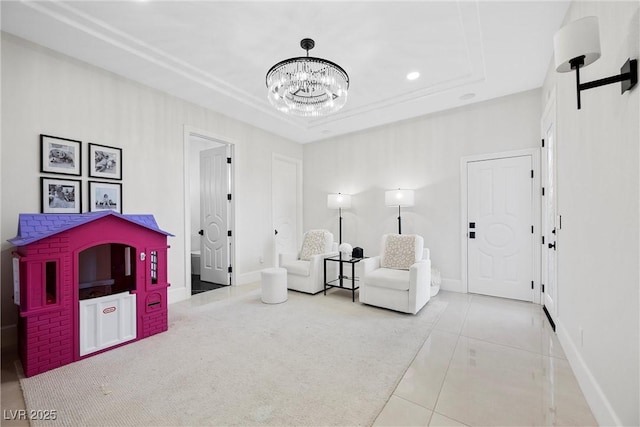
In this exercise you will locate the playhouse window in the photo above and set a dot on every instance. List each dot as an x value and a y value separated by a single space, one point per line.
154 267
51 281
106 269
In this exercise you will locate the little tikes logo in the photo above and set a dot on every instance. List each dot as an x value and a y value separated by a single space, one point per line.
108 310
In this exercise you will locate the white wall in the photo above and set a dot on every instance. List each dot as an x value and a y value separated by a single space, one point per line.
598 198
46 92
422 154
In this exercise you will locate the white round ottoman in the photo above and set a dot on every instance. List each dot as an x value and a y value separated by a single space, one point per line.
274 285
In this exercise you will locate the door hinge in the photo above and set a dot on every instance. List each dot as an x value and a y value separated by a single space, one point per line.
542 142
229 233
230 269
532 284
543 240
229 160
531 173
228 196
543 191
542 288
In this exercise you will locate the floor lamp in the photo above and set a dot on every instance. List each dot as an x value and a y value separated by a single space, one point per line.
339 201
399 198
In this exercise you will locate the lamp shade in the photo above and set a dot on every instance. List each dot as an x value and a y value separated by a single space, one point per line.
575 39
336 201
399 197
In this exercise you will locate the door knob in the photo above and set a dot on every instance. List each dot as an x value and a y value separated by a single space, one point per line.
276 232
201 232
552 245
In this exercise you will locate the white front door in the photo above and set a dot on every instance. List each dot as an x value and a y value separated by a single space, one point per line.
500 220
286 187
549 226
214 204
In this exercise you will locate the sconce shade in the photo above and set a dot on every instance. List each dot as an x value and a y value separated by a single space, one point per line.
578 38
403 198
337 201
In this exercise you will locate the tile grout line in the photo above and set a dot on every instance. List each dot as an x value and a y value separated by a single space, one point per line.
444 379
407 368
514 347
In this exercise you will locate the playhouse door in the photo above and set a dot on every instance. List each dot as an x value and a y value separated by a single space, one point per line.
107 321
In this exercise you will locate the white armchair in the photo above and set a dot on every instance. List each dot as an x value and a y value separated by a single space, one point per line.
400 277
305 270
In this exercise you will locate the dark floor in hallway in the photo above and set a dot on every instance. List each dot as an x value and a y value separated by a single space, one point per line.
198 286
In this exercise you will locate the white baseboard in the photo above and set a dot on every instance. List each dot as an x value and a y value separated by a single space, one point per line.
597 400
246 278
453 285
178 294
9 336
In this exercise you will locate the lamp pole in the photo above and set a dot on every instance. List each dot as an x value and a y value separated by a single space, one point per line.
340 230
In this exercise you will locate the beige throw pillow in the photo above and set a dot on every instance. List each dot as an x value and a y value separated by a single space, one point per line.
314 244
399 251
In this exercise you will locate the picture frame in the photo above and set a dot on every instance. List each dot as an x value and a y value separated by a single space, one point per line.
60 195
105 196
105 162
60 155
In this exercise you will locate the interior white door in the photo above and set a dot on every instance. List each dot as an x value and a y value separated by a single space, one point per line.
500 239
214 206
549 226
285 184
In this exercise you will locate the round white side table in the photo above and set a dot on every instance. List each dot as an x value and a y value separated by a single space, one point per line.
274 285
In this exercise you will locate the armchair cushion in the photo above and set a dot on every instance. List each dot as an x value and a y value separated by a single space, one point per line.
315 242
298 267
401 251
389 278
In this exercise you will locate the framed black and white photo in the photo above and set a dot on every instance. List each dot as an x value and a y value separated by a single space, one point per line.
60 195
60 155
105 196
105 162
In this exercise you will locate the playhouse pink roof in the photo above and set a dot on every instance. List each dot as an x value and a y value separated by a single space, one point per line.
34 227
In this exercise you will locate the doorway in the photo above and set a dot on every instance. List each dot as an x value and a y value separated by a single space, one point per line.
500 225
210 203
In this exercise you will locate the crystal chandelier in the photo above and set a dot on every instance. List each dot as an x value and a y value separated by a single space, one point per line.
307 86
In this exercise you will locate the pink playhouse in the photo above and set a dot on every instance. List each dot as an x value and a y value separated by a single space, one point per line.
86 283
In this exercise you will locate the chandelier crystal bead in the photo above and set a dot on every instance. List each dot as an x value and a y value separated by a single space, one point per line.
307 86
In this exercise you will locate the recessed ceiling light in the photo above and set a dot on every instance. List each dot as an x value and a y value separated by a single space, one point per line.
413 75
467 96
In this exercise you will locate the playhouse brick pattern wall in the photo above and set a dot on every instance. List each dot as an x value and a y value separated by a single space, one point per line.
154 323
48 335
48 332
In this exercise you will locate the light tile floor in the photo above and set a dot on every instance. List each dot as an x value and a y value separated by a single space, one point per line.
488 361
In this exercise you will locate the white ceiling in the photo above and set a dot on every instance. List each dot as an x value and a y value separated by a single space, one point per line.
216 53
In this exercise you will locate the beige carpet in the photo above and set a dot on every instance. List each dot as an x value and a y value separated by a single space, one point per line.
313 360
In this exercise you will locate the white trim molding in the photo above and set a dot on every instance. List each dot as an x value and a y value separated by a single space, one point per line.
596 398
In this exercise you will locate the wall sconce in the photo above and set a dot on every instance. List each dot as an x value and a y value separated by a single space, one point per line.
399 198
577 44
339 201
